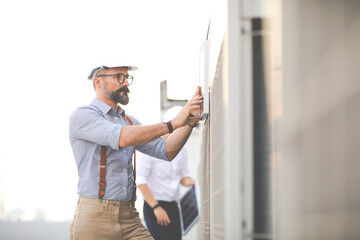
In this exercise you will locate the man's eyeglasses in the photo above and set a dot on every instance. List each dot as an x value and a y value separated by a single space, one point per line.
120 77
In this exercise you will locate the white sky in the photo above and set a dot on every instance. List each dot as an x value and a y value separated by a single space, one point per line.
47 50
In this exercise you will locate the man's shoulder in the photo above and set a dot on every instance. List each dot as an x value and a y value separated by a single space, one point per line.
85 110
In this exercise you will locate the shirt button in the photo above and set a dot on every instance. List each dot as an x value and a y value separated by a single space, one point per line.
124 169
115 118
124 151
124 188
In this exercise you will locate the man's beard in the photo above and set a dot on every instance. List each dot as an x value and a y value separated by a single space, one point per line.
116 97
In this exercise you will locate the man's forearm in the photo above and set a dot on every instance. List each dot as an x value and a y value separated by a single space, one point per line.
176 141
140 134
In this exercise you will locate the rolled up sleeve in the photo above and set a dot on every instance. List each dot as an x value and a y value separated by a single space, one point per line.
155 148
89 125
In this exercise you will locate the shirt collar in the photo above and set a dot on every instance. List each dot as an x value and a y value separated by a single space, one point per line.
103 107
120 111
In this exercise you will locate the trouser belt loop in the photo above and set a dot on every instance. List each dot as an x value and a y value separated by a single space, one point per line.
107 204
132 208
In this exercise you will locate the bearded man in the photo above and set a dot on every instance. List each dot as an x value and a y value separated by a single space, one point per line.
103 139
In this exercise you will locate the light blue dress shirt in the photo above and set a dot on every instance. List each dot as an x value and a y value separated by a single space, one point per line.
98 124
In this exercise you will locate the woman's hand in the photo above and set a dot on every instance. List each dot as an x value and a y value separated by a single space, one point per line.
161 216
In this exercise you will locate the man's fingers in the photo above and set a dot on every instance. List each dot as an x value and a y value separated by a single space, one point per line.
196 101
194 119
197 97
197 92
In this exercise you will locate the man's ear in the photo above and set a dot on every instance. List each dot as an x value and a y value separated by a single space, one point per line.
96 82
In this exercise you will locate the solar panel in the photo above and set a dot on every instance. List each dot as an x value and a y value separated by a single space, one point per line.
189 209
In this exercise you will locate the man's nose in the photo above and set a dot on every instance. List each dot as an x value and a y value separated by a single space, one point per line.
126 82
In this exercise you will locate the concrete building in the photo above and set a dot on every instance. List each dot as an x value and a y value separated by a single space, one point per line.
281 144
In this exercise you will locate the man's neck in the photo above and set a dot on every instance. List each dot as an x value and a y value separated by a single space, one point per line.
108 102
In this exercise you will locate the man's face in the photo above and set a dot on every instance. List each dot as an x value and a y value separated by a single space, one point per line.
116 92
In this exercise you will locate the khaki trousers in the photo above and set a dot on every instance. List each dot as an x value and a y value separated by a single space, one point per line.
108 220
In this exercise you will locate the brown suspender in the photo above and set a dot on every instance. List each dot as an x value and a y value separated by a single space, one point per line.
102 182
134 169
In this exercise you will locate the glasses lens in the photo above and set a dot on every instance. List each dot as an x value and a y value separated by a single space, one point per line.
120 78
130 79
